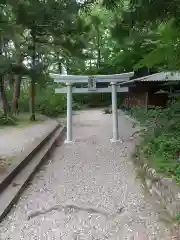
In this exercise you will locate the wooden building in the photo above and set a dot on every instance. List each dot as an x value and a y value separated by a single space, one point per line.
149 90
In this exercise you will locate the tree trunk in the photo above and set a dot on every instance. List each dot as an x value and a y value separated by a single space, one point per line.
146 101
4 97
32 100
16 95
59 67
59 60
17 89
11 81
33 83
98 49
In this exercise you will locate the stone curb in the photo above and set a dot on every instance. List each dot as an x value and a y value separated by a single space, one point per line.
165 189
131 119
18 180
24 157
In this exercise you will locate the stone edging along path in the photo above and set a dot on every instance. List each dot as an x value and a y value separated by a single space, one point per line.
165 189
14 181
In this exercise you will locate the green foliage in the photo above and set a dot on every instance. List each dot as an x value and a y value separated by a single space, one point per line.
178 217
108 110
150 32
52 105
148 11
47 102
166 51
111 37
95 99
35 35
161 141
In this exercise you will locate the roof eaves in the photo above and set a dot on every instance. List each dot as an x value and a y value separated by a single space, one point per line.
157 77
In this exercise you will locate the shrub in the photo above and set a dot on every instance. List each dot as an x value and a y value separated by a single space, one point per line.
52 105
47 102
96 99
161 141
108 110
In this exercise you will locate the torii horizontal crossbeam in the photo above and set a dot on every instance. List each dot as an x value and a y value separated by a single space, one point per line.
98 78
86 90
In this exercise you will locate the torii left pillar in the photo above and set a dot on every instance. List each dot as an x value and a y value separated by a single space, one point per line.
115 127
69 113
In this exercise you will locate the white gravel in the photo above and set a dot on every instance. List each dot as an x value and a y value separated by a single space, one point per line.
87 191
15 140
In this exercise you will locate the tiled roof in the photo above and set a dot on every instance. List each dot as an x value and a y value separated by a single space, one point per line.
162 76
157 77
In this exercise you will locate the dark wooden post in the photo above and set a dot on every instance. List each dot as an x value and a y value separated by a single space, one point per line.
146 101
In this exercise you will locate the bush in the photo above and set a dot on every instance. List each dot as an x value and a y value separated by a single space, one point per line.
52 105
108 110
161 141
94 100
47 102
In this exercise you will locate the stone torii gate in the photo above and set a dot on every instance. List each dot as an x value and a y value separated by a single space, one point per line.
114 81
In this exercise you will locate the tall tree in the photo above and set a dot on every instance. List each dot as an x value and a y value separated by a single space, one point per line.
161 19
54 23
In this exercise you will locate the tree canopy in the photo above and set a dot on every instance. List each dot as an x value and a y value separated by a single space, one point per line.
39 36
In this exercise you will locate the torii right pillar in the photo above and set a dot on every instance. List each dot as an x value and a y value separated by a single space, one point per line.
115 137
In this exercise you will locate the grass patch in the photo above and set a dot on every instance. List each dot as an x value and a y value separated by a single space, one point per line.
21 120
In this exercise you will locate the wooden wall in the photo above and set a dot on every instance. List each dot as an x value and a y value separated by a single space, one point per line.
144 94
135 99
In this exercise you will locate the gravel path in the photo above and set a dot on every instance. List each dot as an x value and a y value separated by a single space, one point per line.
87 191
15 140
